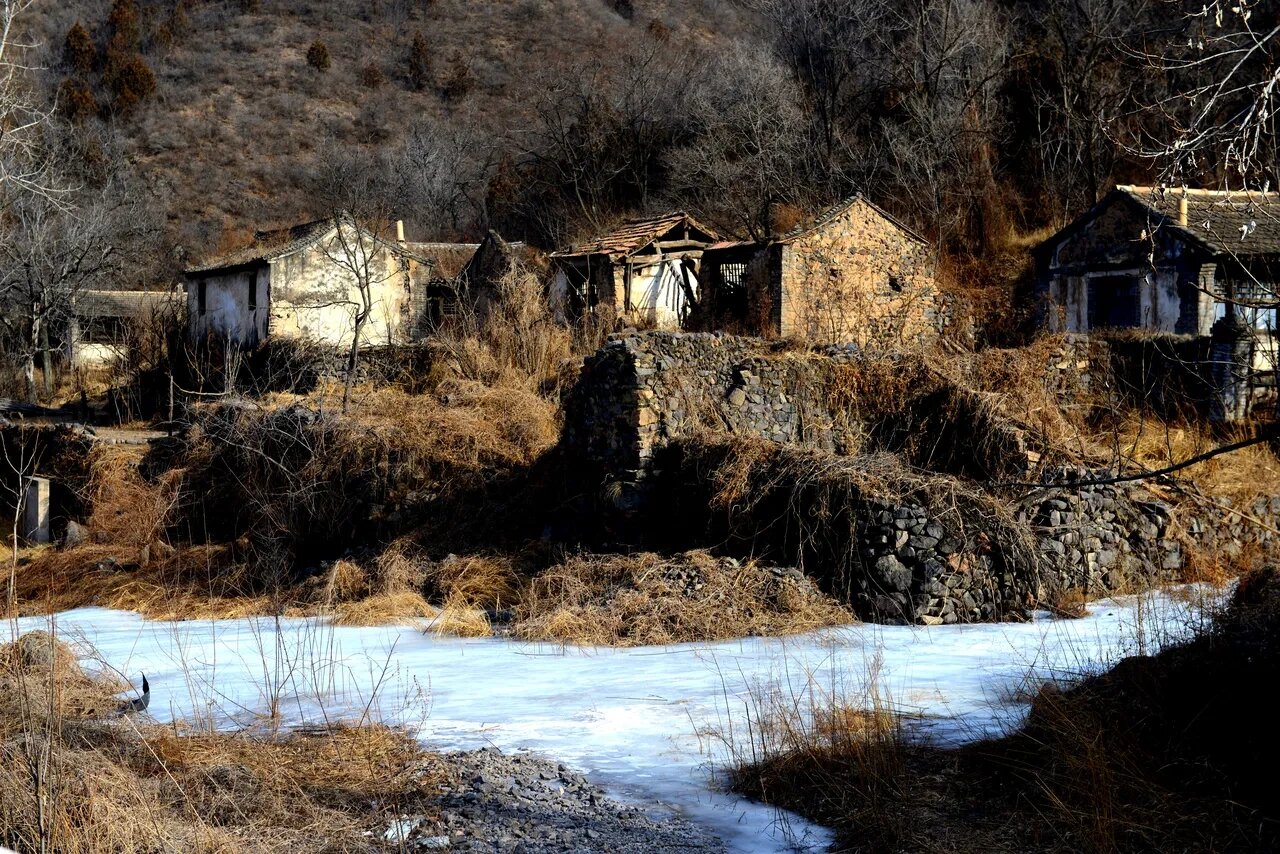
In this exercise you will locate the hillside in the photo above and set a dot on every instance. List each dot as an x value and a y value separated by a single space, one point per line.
978 122
239 117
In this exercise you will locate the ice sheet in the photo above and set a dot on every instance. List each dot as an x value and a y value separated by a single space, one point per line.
649 724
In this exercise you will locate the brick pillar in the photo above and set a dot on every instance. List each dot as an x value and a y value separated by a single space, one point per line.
1231 360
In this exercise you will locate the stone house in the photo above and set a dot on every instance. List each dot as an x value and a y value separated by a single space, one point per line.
645 272
105 323
1199 265
291 283
473 279
435 298
855 274
1163 260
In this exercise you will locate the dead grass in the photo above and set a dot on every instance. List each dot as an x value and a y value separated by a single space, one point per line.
645 599
842 758
476 581
458 617
74 781
126 509
1241 476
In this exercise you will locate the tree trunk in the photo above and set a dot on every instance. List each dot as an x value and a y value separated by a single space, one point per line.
46 361
353 356
29 374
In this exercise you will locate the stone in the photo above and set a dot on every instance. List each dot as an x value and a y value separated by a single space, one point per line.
76 535
737 397
893 573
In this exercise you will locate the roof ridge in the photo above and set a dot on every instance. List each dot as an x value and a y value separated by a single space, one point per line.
1193 192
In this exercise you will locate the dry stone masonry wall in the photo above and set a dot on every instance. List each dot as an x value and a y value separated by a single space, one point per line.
642 390
898 562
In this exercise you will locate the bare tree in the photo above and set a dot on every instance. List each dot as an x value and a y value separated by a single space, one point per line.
749 149
441 176
842 51
358 196
25 163
1220 117
55 249
1083 80
942 142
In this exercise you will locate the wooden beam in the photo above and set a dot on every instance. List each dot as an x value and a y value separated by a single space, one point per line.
641 260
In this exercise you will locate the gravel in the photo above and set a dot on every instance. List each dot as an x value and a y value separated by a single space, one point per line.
525 804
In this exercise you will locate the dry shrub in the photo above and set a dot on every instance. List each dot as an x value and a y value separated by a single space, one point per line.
636 600
72 781
40 678
475 581
845 765
126 508
398 568
383 609
193 582
905 405
303 479
819 489
511 339
459 617
1017 379
346 581
1162 752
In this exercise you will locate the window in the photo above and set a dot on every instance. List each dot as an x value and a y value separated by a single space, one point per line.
253 292
102 330
202 297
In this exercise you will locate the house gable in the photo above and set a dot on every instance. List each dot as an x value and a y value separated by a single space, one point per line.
857 274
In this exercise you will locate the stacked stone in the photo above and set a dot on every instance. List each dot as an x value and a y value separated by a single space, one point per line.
1103 539
642 389
914 569
1218 525
1071 365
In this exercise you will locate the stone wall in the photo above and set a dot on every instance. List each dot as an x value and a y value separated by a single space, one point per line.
642 390
891 560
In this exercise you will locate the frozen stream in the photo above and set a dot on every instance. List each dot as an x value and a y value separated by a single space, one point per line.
645 723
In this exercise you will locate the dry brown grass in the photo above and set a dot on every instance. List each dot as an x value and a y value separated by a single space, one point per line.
73 781
644 599
458 617
512 340
1241 476
126 509
476 581
384 609
841 759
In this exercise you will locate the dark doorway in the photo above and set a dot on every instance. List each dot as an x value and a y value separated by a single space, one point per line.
1113 303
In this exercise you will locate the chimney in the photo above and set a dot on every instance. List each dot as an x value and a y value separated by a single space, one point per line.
400 228
1182 208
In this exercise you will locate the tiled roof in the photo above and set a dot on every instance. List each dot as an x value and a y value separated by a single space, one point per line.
268 245
1227 222
127 304
448 259
633 235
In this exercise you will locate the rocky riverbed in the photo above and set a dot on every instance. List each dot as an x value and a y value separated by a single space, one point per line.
525 804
